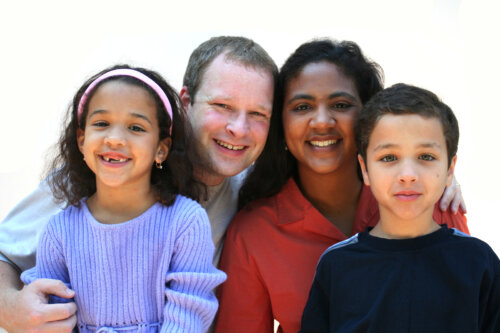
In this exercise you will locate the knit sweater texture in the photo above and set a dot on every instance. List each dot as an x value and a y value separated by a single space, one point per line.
152 273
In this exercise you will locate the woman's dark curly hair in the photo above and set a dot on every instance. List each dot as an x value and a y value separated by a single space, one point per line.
275 165
71 179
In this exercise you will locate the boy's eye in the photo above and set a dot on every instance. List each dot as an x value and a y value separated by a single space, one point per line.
427 157
137 128
388 158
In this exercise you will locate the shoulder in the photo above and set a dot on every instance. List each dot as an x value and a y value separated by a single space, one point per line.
182 210
255 216
340 246
473 247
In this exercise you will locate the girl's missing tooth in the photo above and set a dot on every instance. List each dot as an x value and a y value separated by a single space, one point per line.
136 251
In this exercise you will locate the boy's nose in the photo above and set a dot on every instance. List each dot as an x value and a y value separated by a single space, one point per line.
238 125
407 173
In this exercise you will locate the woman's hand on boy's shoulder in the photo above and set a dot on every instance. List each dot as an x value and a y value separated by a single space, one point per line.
452 198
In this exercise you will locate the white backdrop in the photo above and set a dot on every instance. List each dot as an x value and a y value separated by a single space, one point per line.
48 48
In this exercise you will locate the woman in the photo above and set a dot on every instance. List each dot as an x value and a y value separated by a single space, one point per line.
311 195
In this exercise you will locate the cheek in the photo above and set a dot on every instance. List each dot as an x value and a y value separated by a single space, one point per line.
292 128
259 130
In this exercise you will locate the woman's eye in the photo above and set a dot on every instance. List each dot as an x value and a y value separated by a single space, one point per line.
136 128
341 105
388 158
302 107
427 157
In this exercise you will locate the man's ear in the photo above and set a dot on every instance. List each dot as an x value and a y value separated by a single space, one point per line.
185 98
80 139
451 171
364 171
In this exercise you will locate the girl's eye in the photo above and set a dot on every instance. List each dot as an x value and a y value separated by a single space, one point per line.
100 123
426 157
137 128
388 158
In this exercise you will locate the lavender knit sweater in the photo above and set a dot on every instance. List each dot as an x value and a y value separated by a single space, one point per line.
153 273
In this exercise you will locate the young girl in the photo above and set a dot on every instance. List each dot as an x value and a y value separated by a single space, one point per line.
136 251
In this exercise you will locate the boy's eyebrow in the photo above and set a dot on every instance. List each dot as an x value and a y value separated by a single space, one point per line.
394 145
331 96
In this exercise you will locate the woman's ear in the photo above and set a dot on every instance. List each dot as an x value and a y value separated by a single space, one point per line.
163 150
80 139
364 171
451 171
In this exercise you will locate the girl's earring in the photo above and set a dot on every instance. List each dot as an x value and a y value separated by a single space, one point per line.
158 165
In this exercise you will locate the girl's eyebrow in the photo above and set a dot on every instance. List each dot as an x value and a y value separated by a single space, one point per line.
141 116
133 114
98 111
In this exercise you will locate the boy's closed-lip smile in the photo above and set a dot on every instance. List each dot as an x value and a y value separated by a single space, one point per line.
407 195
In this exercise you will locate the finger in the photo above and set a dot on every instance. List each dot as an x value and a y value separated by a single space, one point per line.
61 326
456 203
448 195
52 287
462 206
57 312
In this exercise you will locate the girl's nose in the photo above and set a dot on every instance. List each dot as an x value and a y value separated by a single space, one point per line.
115 136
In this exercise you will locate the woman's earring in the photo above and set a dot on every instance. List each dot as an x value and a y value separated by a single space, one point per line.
158 165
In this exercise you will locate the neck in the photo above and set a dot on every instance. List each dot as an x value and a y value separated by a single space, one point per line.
335 195
116 205
393 227
207 178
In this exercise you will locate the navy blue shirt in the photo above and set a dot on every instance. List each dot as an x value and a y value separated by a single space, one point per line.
445 281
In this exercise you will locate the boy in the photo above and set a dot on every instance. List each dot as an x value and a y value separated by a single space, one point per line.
407 274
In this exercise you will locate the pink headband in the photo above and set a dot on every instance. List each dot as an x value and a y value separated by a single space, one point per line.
128 72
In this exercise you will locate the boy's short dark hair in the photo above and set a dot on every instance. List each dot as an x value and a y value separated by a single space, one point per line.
405 99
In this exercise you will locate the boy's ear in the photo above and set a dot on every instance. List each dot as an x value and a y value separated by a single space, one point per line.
185 98
451 171
80 139
366 179
163 150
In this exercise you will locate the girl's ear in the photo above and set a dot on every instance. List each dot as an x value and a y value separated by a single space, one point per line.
451 171
163 149
80 139
364 171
